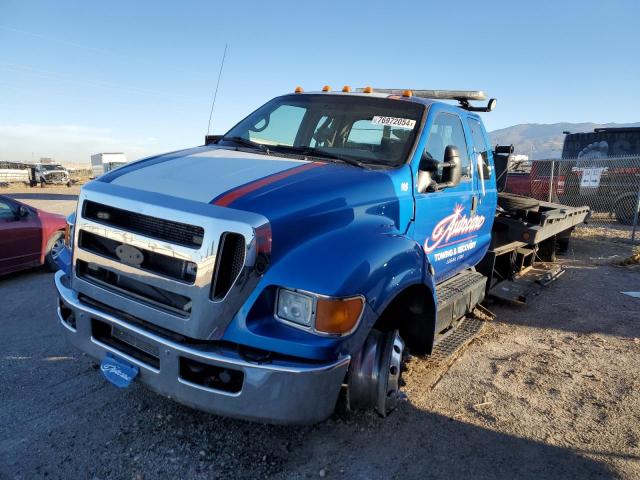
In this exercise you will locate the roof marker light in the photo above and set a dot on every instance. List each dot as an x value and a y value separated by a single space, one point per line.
346 89
298 89
407 93
326 88
367 89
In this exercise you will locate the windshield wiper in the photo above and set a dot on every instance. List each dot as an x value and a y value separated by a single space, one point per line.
247 143
315 152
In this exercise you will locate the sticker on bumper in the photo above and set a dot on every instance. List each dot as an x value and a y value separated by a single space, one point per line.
118 372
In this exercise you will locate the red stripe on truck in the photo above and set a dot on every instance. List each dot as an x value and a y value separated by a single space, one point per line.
232 195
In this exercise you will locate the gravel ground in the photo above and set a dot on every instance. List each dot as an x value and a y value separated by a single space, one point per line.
53 199
547 390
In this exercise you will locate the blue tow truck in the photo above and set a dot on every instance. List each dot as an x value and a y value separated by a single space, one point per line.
261 274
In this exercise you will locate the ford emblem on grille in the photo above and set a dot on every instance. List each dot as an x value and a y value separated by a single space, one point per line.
129 255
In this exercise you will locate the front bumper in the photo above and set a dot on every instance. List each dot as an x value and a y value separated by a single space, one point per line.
56 179
276 392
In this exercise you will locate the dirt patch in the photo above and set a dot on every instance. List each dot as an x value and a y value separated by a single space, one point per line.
633 260
548 390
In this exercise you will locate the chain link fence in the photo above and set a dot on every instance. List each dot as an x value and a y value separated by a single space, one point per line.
609 186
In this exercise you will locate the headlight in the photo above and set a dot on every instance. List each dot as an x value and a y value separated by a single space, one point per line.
319 314
295 307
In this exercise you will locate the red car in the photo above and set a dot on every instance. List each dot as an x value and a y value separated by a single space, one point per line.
28 237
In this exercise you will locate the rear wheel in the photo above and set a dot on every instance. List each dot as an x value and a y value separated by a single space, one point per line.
54 248
374 375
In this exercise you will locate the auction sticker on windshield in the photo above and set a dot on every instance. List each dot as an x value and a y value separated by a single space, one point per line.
394 122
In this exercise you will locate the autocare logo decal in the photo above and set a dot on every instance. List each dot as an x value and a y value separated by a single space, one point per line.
455 225
114 370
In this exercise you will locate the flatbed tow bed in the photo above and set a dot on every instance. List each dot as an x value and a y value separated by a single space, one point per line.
520 259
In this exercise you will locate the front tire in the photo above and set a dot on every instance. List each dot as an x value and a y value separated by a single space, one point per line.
54 248
374 374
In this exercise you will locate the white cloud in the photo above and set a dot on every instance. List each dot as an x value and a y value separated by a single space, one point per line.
69 143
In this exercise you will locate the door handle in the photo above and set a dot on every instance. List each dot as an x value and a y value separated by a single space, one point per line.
474 204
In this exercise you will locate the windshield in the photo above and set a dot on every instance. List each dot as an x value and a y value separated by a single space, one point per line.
52 167
366 129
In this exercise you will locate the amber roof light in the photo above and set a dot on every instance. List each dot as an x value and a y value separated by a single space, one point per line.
346 89
298 89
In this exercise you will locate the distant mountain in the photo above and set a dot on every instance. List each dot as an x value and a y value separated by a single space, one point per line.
544 140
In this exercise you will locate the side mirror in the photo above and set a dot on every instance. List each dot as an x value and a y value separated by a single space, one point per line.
23 211
212 139
451 167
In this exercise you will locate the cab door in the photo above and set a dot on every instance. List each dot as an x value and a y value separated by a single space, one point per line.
485 194
444 222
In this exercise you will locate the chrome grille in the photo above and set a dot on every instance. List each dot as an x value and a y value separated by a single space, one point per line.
174 232
159 279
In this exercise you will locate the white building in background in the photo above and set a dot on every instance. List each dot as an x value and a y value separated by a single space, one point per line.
105 162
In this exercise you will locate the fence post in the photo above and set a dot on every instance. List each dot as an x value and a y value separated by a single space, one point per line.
635 218
553 165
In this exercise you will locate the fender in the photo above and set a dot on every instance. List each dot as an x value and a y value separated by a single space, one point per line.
372 260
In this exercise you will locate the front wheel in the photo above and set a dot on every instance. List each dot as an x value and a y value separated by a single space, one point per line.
374 374
54 249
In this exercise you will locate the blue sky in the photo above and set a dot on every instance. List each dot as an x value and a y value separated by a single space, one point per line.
79 77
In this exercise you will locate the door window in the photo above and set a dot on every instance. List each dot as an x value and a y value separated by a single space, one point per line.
481 147
6 212
447 130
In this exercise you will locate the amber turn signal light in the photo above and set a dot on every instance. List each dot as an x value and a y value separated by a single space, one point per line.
67 235
338 316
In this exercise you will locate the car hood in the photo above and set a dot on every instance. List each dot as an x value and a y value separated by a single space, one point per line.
300 198
52 220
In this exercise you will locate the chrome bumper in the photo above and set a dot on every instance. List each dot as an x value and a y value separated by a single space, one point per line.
276 392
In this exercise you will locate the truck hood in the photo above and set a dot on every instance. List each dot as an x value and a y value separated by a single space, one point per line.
300 198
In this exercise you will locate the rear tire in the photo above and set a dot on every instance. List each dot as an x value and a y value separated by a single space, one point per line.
54 248
514 203
547 249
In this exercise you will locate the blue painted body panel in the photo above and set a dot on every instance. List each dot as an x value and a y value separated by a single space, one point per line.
339 230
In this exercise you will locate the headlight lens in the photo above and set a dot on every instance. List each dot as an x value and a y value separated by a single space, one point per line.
295 307
323 315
